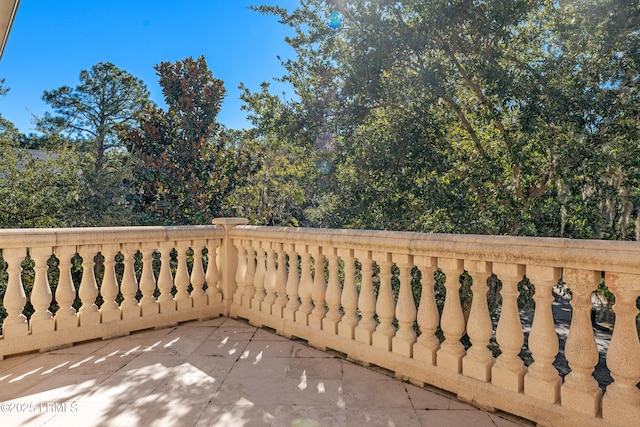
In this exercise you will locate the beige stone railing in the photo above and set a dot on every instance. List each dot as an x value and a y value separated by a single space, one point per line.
361 304
339 309
133 301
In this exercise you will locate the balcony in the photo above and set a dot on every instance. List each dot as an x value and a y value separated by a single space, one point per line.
387 300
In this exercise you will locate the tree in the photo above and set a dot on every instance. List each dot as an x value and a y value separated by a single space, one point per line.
185 163
106 96
460 116
278 192
38 188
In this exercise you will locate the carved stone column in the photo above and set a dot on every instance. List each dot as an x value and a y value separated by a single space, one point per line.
509 370
451 352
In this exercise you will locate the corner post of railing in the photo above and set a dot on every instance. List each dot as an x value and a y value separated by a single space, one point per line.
228 261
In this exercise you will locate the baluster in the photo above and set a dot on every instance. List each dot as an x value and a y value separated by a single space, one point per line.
406 312
15 324
452 351
183 300
66 316
366 300
165 279
197 275
249 276
349 301
212 277
319 290
509 370
258 280
148 304
542 380
427 345
293 282
385 306
269 281
580 390
88 314
479 360
281 282
42 319
130 307
241 270
110 310
333 295
621 401
306 285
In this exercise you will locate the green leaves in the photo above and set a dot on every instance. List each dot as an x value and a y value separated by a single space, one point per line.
38 188
484 117
184 164
106 96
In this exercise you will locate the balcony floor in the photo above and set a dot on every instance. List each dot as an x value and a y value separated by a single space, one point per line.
221 372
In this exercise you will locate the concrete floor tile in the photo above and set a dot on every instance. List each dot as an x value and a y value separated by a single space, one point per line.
376 394
62 387
17 381
372 417
224 347
309 416
269 349
501 421
156 360
221 372
212 364
269 335
352 371
315 368
231 334
99 365
234 330
91 414
321 393
196 331
27 418
452 418
275 368
187 391
252 390
10 363
303 350
135 344
86 347
241 412
130 385
198 323
422 398
178 344
159 414
236 323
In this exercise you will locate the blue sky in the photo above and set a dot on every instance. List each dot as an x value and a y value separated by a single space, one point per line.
51 41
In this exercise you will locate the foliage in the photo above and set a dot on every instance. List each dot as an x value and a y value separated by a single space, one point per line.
278 193
38 188
106 96
86 118
184 164
484 117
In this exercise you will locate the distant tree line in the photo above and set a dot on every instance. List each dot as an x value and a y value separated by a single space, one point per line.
492 117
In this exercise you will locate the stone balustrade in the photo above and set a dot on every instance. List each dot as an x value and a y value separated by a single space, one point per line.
375 296
358 292
105 303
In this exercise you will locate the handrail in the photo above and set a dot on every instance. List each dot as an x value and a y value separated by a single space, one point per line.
603 255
